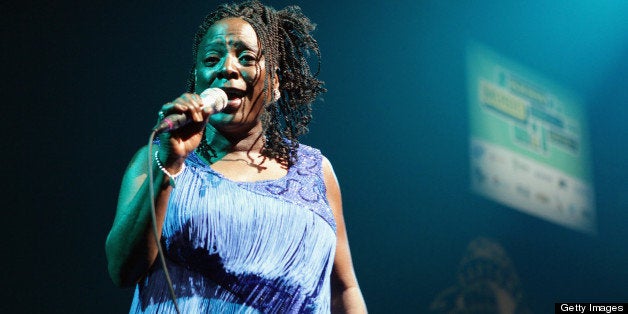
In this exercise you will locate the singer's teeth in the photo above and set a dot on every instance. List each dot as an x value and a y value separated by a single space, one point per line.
233 93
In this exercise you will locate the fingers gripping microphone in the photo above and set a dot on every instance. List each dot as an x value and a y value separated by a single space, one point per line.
214 100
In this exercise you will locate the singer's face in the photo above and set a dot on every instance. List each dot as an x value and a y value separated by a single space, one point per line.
229 57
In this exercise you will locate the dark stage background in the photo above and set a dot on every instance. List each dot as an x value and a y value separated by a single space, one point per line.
83 82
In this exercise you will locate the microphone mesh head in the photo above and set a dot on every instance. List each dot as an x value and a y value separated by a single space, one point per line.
214 99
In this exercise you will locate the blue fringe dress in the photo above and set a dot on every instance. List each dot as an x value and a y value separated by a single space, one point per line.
245 247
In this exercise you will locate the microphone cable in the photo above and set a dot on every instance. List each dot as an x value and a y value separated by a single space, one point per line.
218 100
160 252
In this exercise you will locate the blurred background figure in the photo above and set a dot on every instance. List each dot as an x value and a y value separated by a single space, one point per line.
487 283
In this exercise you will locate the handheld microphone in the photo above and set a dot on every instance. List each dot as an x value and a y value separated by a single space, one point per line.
214 100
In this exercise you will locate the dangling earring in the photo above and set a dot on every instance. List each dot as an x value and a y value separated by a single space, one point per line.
276 95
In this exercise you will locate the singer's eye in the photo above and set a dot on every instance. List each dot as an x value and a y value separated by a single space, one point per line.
248 59
211 60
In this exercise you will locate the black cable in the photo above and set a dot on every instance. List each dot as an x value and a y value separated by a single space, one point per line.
160 252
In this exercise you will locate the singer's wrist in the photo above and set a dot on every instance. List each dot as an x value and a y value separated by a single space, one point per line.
174 168
171 162
169 172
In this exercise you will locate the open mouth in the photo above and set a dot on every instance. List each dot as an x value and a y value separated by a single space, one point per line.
234 99
233 93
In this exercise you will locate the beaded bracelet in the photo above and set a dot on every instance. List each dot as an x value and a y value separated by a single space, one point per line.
163 169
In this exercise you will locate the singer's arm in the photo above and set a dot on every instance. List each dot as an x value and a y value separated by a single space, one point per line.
130 245
131 248
346 294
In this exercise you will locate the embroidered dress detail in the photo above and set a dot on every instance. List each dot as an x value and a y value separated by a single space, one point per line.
245 247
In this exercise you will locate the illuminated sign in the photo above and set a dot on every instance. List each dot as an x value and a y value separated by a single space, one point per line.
528 142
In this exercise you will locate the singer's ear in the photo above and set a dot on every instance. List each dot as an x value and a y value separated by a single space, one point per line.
276 79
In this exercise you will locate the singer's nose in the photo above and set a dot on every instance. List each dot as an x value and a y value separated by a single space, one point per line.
229 68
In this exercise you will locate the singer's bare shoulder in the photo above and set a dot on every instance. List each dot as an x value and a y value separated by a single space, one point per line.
134 177
332 186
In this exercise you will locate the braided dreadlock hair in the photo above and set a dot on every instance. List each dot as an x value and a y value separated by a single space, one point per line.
286 41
